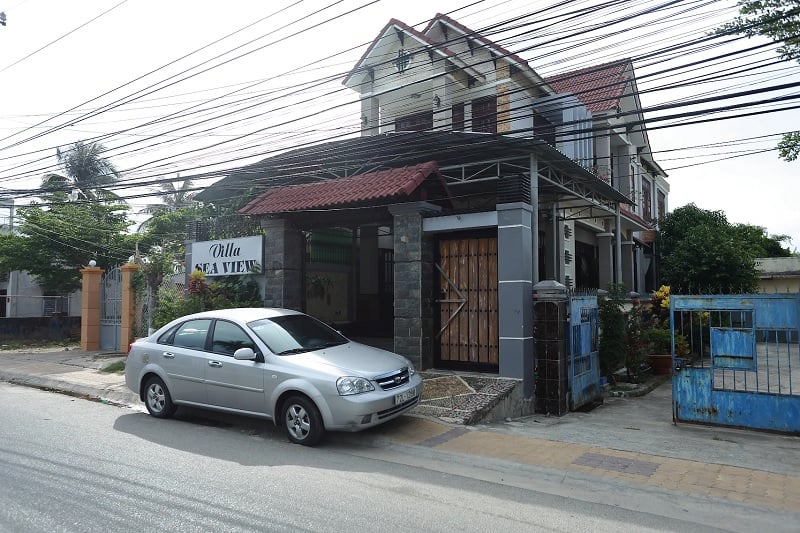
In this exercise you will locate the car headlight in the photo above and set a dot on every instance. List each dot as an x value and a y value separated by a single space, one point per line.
411 369
348 385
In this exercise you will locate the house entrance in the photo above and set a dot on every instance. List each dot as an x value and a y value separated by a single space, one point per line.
466 270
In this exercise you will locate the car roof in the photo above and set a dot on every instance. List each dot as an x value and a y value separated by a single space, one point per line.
245 314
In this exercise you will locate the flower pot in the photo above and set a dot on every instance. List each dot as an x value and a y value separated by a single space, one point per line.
660 363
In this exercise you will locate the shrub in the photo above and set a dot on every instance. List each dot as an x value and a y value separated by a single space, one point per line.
612 347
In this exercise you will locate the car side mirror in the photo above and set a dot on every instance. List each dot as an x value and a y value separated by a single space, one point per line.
244 354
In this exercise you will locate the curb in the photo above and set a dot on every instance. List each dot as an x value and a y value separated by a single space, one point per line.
123 397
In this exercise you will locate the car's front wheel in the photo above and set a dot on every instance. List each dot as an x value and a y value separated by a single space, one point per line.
157 398
302 421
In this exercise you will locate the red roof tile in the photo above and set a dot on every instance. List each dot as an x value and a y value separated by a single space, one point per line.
391 183
600 88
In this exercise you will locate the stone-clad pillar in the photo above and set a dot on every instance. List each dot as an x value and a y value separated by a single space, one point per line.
90 307
413 284
283 265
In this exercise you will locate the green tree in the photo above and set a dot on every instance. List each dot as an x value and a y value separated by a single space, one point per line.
78 220
87 175
700 251
778 20
54 242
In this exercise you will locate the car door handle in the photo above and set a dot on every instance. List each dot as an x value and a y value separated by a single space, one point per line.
168 355
215 364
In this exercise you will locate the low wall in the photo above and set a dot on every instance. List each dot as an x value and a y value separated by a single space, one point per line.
54 328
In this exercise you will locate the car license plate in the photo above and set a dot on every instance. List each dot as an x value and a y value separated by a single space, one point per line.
405 396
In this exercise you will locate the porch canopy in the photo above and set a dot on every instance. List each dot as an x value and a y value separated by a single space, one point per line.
418 182
465 160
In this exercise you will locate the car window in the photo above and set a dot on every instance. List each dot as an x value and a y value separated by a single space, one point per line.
228 337
192 334
289 334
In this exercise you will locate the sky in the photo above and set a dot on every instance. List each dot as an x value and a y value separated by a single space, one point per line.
185 88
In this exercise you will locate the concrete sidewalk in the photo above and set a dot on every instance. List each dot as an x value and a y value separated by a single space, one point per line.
626 439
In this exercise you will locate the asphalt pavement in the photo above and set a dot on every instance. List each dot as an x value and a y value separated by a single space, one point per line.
630 439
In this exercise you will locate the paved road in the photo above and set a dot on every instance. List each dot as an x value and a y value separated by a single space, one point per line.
628 446
68 464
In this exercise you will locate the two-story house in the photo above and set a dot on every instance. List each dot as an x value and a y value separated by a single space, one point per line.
473 179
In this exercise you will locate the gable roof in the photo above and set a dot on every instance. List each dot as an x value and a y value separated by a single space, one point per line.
383 184
600 88
423 39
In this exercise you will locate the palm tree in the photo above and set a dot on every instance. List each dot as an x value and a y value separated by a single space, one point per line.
172 199
86 173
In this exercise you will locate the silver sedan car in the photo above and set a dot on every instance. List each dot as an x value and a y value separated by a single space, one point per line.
277 364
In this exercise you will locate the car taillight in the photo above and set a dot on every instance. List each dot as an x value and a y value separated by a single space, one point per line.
130 345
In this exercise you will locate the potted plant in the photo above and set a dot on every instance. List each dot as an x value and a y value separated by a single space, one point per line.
658 335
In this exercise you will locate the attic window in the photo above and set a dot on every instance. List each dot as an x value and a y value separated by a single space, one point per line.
403 59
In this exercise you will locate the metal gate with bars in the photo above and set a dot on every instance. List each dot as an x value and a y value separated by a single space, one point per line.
111 309
584 364
744 365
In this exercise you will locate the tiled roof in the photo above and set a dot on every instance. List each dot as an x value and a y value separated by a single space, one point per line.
600 88
391 183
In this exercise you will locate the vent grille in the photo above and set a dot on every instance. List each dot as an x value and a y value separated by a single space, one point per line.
514 188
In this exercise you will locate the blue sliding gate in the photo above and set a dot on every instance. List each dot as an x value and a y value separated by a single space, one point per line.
584 366
744 365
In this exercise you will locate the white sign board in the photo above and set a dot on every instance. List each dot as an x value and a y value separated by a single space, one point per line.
228 257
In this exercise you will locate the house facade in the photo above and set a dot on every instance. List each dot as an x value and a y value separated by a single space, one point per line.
473 179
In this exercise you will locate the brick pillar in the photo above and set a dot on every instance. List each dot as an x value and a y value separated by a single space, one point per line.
413 284
90 307
128 306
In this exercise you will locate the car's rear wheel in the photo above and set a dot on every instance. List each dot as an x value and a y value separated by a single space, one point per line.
302 421
157 398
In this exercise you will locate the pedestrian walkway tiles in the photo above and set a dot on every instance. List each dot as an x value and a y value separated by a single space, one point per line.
766 489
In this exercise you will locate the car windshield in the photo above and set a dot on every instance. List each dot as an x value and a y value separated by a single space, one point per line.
288 334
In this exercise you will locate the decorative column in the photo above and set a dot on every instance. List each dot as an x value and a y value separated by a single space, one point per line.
413 283
90 307
283 268
515 306
128 311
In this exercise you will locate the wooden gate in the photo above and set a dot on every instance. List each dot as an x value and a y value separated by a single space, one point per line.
467 304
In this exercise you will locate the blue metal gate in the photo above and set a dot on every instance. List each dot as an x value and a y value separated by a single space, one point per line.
584 368
743 369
